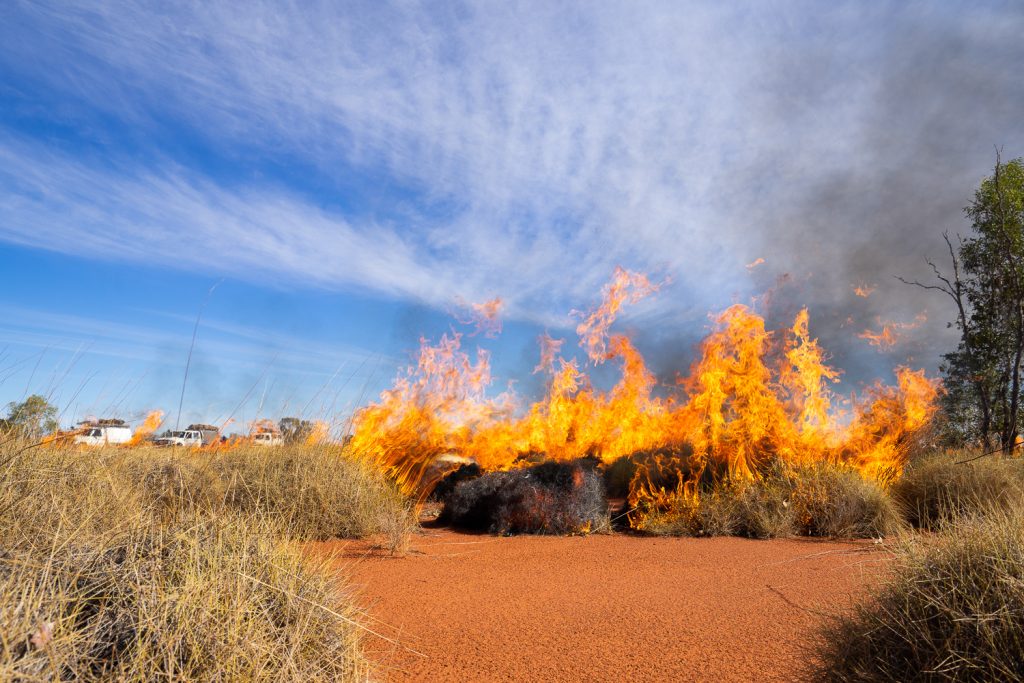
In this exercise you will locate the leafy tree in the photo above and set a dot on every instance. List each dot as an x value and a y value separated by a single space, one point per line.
983 375
32 418
294 430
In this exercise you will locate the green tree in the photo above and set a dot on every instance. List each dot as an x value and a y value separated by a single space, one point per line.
982 377
294 430
32 418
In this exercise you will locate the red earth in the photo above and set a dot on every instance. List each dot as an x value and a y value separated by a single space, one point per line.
460 607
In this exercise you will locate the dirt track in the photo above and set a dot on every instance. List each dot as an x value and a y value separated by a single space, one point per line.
602 608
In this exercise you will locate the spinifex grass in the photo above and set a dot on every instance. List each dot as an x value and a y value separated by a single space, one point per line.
939 487
953 609
811 500
147 564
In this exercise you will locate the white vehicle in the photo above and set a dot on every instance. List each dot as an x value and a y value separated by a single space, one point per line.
101 436
268 439
188 438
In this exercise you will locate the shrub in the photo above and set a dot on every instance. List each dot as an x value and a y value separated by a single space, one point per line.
953 610
550 498
763 508
618 475
935 489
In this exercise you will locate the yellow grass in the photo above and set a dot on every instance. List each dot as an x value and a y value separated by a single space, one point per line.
146 564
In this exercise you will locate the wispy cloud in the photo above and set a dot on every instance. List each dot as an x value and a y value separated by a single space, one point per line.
234 345
542 143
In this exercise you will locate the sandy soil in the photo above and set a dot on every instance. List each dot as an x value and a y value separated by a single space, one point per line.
462 607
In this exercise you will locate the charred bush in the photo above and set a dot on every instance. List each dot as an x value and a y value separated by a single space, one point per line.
550 498
618 475
453 478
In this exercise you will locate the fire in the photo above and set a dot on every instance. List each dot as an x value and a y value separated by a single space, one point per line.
152 422
892 332
319 434
754 264
752 397
485 317
263 426
863 290
549 349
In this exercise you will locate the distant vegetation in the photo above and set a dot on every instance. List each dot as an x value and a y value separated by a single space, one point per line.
29 419
985 283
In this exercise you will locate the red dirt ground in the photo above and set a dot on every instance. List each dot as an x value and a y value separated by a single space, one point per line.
602 608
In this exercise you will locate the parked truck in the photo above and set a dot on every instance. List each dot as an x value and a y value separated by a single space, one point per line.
268 439
194 435
103 433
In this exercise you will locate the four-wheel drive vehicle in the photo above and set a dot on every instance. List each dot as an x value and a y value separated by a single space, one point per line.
101 436
188 437
268 439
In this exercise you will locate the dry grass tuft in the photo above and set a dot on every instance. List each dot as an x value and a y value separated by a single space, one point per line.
936 489
814 500
952 611
149 564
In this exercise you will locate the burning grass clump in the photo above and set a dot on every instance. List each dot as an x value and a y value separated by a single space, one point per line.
102 579
813 500
953 609
938 488
550 498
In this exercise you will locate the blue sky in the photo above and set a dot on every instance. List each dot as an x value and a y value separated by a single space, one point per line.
349 172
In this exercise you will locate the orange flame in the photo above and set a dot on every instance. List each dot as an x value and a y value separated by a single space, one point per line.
892 332
263 426
750 398
152 422
319 434
864 290
549 348
485 317
754 264
625 287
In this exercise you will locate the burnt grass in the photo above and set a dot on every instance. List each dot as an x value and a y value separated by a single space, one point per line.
549 498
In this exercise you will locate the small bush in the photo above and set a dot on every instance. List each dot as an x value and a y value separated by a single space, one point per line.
313 492
550 498
936 489
764 508
952 611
